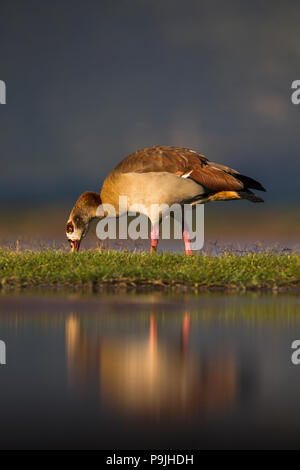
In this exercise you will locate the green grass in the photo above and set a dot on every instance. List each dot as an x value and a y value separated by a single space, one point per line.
105 268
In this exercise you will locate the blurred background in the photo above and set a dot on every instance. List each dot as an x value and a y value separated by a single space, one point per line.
91 82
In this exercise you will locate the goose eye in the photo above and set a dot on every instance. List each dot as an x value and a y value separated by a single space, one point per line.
78 220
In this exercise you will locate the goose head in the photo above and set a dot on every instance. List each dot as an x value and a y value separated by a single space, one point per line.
83 212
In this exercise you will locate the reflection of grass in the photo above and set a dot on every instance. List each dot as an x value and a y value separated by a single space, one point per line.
94 269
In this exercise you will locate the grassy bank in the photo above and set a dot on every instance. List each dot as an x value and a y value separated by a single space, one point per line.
122 269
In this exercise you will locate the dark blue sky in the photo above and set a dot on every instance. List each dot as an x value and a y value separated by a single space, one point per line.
89 82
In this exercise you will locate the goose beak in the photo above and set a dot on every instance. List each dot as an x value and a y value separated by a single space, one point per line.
75 244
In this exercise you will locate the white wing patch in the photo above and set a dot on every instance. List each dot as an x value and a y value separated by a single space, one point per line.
186 175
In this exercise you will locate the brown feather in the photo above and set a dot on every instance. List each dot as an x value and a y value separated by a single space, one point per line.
216 180
181 161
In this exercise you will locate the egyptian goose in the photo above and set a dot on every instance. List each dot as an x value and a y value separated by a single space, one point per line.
160 175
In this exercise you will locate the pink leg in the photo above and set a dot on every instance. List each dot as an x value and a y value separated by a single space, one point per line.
187 240
154 239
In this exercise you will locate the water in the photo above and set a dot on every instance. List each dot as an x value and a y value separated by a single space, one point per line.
149 372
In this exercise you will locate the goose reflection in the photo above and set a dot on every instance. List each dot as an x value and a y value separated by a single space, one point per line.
156 375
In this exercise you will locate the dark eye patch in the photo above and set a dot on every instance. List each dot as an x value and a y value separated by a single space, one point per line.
69 228
78 221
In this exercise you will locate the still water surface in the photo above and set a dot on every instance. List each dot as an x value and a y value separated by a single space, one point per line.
151 371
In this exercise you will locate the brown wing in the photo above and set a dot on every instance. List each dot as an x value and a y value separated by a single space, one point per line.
158 158
181 161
